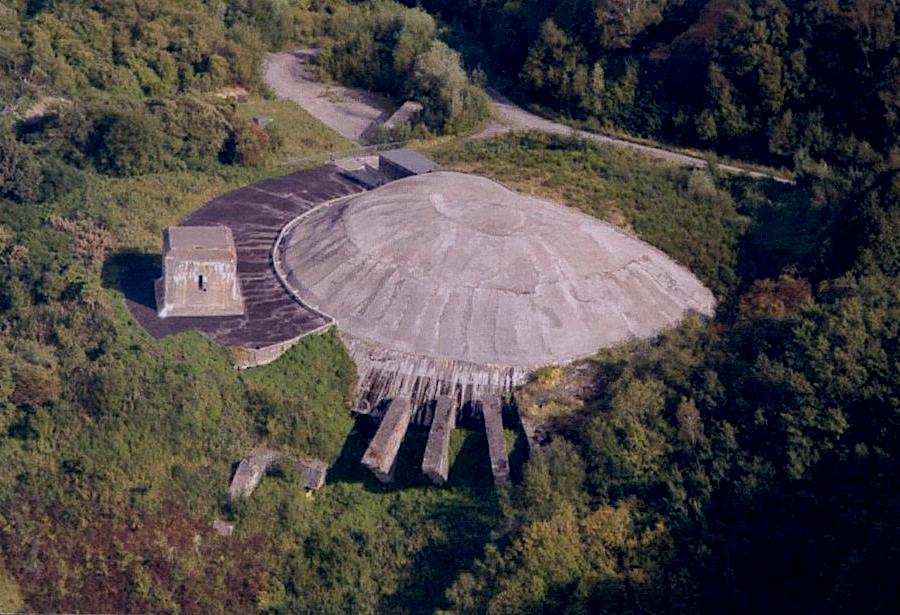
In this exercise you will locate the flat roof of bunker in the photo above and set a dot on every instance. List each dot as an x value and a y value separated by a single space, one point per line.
409 160
455 266
199 242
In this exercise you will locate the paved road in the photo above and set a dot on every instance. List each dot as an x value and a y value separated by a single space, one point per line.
350 112
511 117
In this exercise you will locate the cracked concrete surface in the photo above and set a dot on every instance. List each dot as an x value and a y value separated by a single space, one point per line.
456 267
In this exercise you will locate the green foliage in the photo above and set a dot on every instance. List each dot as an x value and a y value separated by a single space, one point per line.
553 479
19 172
555 72
317 422
127 144
757 79
385 47
747 465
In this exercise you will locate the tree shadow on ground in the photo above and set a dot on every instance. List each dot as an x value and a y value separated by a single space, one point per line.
133 273
466 517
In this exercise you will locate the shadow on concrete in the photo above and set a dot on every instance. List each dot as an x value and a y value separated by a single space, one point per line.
133 273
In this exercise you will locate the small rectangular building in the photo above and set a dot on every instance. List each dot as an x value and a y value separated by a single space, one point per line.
199 273
400 163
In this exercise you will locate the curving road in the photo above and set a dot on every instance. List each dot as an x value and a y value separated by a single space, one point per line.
352 112
514 118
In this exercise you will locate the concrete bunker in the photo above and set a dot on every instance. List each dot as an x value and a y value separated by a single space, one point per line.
448 289
199 273
448 285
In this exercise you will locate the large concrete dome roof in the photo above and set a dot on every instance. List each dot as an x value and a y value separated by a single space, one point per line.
457 267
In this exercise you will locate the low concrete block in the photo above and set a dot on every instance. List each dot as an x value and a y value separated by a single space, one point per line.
312 472
250 471
493 427
253 467
436 461
381 456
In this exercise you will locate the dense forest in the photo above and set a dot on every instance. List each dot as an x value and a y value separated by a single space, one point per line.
747 464
765 80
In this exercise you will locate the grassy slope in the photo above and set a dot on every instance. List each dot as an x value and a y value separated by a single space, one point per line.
123 479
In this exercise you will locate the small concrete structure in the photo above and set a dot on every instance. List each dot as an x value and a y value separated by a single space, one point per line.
262 120
403 115
436 461
400 163
493 427
199 273
253 467
381 456
222 528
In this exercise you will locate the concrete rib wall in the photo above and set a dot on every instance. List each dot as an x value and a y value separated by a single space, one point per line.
436 460
381 456
493 427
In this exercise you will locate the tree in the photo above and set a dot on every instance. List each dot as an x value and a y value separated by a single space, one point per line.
553 478
451 103
19 171
620 21
628 444
556 70
127 143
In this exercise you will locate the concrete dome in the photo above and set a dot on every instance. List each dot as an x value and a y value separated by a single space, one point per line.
457 267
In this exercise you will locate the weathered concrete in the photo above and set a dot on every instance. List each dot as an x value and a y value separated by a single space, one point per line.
250 471
222 528
381 456
253 467
493 427
450 267
199 273
384 373
312 472
400 163
436 461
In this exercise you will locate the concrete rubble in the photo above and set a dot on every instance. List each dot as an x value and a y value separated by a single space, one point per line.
252 468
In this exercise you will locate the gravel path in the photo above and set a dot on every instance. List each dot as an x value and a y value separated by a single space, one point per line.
348 111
